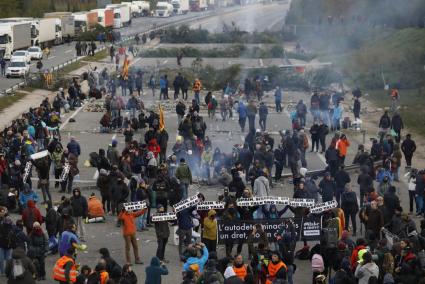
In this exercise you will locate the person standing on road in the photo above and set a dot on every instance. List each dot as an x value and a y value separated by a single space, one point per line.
323 131
79 211
408 147
3 66
184 175
262 113
327 187
350 206
278 99
251 113
356 108
163 86
139 82
129 233
314 133
301 109
185 87
397 125
112 53
162 232
342 146
197 90
242 112
152 84
342 179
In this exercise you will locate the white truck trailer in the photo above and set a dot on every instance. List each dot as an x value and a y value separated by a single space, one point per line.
14 36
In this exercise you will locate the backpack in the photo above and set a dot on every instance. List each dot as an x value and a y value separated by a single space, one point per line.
305 142
317 264
93 278
18 269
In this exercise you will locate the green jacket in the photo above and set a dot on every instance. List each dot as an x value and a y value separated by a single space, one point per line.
183 173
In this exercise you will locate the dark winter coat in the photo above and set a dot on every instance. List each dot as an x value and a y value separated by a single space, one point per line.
155 271
349 202
52 221
385 121
397 122
38 244
408 146
328 189
162 230
79 204
341 179
103 185
29 268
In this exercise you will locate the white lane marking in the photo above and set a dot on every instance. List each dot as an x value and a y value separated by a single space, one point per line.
165 61
114 137
68 51
261 62
51 57
72 116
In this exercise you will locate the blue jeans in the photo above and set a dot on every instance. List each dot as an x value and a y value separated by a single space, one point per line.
184 188
419 204
197 99
141 221
133 112
290 273
5 255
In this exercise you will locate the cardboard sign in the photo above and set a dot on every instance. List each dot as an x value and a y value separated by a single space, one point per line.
208 205
135 206
168 216
187 203
277 200
320 207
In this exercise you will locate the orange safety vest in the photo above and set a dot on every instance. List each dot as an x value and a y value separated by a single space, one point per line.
272 270
241 272
59 270
104 276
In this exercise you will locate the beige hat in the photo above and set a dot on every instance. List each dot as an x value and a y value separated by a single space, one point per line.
36 225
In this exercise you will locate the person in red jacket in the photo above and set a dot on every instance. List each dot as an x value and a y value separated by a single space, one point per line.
154 147
30 215
129 233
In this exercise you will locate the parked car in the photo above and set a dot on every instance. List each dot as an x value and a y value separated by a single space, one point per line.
35 52
18 68
21 55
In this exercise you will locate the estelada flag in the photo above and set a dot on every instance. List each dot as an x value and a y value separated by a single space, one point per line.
125 68
161 117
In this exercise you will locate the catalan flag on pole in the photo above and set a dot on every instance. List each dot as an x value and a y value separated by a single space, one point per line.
125 68
161 118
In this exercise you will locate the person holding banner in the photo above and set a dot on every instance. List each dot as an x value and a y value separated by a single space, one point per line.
162 232
129 233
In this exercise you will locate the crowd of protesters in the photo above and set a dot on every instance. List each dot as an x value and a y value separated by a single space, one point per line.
388 251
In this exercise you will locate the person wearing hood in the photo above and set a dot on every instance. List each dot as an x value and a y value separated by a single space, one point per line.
74 147
105 189
127 275
22 239
276 268
155 271
26 195
397 125
350 206
162 231
209 235
79 211
18 256
30 215
344 274
65 270
230 277
95 208
194 259
327 187
38 249
366 269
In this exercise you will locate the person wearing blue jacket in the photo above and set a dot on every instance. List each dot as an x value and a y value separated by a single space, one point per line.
194 262
278 99
155 271
26 195
336 117
242 115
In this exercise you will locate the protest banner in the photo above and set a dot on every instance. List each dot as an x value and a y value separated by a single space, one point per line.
320 207
301 202
27 171
135 206
208 205
39 155
187 203
308 228
168 216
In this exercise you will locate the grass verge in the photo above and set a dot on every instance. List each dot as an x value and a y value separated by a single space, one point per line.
8 100
411 111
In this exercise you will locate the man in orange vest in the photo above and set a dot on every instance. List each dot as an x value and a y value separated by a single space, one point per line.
276 269
240 268
65 270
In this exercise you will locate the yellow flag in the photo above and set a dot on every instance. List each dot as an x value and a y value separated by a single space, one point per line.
161 118
125 68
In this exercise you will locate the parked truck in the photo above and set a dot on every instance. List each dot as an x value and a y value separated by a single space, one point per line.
43 32
105 17
135 10
84 21
163 9
198 5
144 7
121 15
14 36
180 7
65 25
